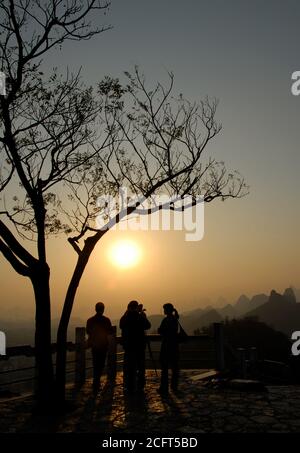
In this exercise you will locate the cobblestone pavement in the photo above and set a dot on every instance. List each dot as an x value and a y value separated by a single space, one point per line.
196 409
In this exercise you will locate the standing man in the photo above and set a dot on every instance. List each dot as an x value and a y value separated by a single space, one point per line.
133 325
99 329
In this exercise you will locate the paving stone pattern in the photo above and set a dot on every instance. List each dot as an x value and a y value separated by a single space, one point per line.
197 408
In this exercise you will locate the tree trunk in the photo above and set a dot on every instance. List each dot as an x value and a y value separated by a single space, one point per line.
61 354
43 355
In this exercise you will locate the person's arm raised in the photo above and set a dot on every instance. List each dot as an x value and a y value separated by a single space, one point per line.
176 314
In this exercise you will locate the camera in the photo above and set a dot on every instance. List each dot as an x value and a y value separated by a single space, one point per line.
141 309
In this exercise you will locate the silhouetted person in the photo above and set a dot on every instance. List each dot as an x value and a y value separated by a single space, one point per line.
98 329
169 353
133 325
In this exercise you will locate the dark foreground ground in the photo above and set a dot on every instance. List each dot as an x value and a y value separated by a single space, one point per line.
196 409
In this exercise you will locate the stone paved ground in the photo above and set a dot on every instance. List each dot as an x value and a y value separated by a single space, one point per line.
198 408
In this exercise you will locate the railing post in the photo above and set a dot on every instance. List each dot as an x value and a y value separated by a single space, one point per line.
243 365
220 346
79 356
112 356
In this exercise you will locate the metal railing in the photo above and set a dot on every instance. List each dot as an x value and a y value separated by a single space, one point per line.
199 351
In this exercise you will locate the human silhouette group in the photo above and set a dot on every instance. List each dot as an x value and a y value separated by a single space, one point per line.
134 324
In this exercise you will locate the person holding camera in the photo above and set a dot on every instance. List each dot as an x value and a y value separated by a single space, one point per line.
133 325
169 353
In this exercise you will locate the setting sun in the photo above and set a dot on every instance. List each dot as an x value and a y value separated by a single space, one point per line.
125 254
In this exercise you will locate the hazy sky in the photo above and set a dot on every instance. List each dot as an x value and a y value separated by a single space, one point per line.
242 52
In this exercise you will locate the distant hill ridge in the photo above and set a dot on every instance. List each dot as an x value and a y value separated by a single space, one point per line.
280 311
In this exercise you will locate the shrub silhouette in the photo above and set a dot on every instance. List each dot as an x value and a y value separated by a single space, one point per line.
250 332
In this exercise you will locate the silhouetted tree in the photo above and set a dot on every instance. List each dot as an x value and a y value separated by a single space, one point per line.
45 122
156 146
